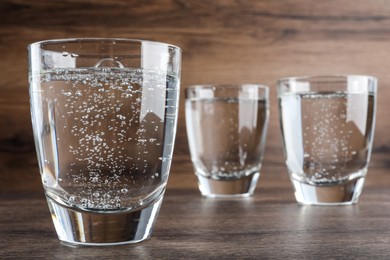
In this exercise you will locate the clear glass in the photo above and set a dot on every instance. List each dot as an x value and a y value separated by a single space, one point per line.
327 125
104 114
226 127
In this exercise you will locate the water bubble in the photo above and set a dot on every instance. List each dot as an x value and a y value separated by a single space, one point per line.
124 190
83 202
68 94
109 62
311 166
142 141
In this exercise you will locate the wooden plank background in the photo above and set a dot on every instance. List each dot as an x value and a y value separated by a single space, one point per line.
223 41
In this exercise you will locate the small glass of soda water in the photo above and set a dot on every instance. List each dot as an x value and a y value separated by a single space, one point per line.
226 127
327 125
104 115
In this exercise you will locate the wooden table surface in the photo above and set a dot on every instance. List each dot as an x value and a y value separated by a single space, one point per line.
223 41
268 225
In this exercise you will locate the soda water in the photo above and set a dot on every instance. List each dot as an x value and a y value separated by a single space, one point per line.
227 136
328 142
105 135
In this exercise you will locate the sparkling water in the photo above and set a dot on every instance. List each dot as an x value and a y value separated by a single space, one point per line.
327 135
226 135
104 135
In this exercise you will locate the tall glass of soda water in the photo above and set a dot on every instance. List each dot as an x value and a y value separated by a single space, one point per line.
104 115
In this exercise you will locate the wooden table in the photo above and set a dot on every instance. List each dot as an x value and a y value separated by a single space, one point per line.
268 225
254 41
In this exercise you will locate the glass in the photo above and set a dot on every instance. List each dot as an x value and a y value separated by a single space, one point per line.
104 115
327 125
226 127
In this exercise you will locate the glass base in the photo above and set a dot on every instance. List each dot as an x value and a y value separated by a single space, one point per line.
345 193
76 227
242 187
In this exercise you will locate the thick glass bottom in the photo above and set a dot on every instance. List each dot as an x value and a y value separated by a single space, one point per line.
242 187
345 193
77 227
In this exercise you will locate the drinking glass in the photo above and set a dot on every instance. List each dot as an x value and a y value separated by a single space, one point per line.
104 115
327 125
226 126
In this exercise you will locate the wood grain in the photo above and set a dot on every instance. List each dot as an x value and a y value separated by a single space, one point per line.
223 41
269 225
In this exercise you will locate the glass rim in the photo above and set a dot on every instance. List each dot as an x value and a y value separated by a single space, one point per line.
326 77
97 39
226 86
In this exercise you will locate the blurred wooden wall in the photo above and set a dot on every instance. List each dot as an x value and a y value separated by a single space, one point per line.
223 41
